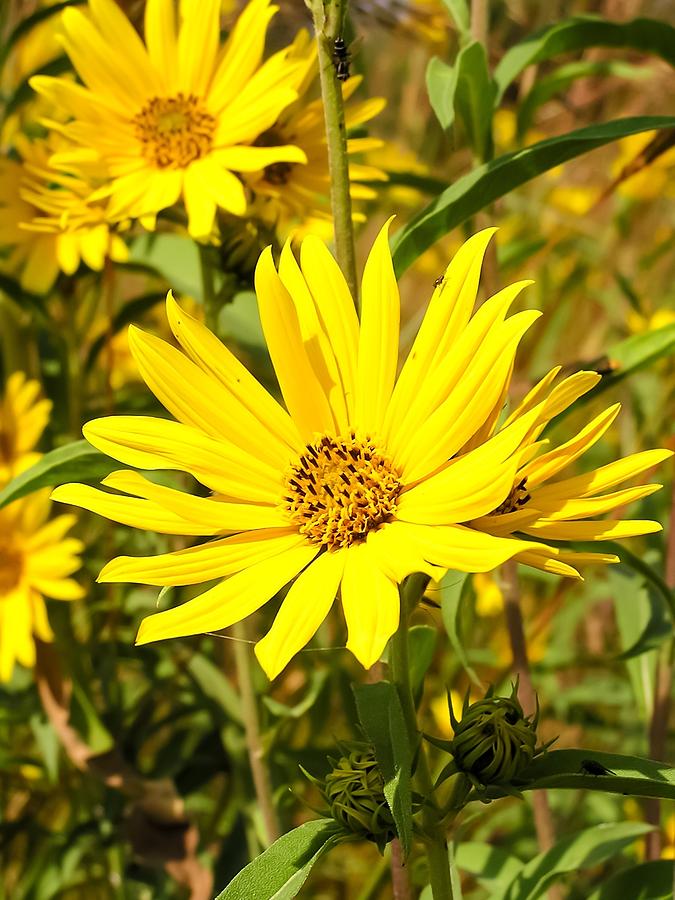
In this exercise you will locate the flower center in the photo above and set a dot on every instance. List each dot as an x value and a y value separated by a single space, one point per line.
277 173
11 566
174 131
341 489
518 497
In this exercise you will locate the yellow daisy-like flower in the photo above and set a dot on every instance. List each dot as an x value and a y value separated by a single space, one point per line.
36 560
175 116
23 418
48 222
544 506
287 193
352 487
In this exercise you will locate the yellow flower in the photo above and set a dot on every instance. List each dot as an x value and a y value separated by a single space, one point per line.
489 597
353 488
48 221
36 559
541 506
637 323
23 418
651 180
287 193
174 117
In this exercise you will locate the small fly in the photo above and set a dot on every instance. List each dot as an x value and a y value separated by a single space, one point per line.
439 281
593 767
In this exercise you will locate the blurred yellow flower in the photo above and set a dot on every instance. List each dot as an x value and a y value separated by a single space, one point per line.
560 510
47 222
649 182
36 560
286 193
174 117
350 489
23 418
638 323
489 597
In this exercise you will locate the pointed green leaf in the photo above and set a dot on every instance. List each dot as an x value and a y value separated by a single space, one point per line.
632 775
423 639
480 187
454 588
492 866
572 35
648 881
474 98
381 717
583 850
78 461
280 872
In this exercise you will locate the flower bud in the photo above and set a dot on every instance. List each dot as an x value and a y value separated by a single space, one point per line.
494 740
354 790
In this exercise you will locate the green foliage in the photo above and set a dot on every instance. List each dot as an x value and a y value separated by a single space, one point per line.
648 881
280 872
477 189
73 462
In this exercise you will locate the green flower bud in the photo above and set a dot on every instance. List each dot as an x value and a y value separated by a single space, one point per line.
494 740
354 790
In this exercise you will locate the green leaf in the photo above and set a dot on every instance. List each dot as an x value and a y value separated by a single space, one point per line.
78 461
480 187
317 682
215 686
381 716
474 98
635 353
560 79
175 257
492 866
280 872
454 587
583 850
633 775
459 11
647 881
423 639
441 86
580 33
85 719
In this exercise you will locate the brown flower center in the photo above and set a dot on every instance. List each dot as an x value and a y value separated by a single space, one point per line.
340 489
174 131
518 497
11 568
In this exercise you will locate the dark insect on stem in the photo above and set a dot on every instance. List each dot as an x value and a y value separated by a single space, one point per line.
439 281
593 767
341 59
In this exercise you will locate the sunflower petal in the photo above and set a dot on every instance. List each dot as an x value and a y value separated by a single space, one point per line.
371 605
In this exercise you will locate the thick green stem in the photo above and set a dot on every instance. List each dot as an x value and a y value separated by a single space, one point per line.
209 299
435 839
328 18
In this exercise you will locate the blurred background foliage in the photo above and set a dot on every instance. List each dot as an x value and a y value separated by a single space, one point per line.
124 771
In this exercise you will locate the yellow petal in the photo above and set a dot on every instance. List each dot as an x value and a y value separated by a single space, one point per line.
147 443
198 40
58 588
252 159
195 565
371 605
594 506
302 393
197 399
445 319
199 203
302 611
378 342
591 530
160 37
230 601
547 563
211 515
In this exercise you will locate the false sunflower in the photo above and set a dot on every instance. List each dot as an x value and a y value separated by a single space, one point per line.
175 116
548 503
23 418
48 222
347 490
289 194
36 560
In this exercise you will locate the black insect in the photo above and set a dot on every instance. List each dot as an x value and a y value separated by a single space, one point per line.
439 281
593 767
341 58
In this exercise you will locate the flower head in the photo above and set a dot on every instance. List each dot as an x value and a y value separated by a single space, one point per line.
175 116
289 194
546 504
23 418
352 487
36 560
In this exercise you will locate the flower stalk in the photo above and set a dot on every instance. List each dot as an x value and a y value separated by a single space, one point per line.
328 18
399 662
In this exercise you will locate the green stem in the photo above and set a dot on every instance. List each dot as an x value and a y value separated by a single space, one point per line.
399 662
328 18
209 299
